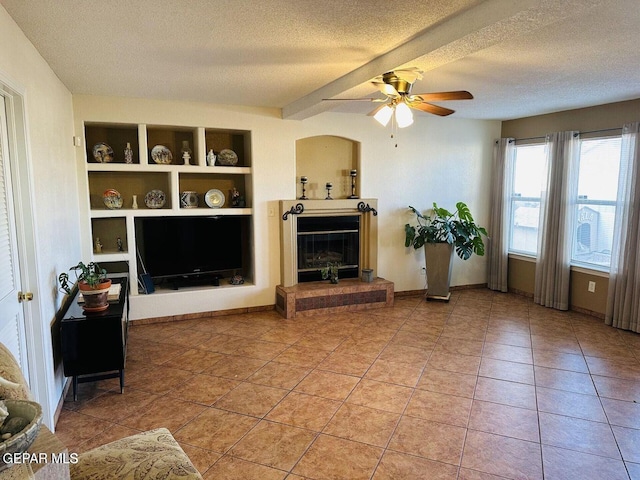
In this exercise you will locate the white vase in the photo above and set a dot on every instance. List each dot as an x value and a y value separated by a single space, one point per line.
134 202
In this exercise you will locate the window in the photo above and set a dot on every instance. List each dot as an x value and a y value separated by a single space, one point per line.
528 178
596 203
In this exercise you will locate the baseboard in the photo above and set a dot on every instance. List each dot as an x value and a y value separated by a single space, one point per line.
195 316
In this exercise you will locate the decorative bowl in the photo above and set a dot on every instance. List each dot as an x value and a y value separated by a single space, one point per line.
161 154
102 153
155 199
227 158
112 199
21 441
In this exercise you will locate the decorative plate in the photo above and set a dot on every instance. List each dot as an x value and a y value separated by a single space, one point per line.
214 198
161 154
227 157
112 199
155 199
103 153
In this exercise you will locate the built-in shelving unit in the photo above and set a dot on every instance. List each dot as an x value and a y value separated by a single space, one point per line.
143 174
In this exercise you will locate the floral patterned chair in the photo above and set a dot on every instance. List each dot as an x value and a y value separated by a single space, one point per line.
151 455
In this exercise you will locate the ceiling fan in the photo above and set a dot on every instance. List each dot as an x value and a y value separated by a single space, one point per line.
396 86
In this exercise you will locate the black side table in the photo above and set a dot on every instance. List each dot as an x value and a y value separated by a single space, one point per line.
94 345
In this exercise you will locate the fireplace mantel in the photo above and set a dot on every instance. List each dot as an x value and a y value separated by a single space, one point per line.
290 210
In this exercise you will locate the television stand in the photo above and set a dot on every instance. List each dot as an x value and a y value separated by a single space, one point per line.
176 283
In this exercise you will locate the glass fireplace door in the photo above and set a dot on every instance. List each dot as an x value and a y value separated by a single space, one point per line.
323 240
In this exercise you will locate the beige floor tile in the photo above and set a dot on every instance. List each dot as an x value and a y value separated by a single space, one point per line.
381 396
302 356
622 414
561 464
363 424
439 407
510 353
507 393
432 440
395 372
305 411
564 380
346 363
235 367
440 359
628 440
509 371
167 412
560 361
279 375
215 430
204 389
251 399
577 434
274 445
328 385
230 468
452 383
587 407
332 458
504 420
503 456
397 466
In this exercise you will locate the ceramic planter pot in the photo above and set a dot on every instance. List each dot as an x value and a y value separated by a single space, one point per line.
439 260
95 299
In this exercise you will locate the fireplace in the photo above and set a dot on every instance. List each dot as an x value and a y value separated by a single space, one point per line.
324 240
314 232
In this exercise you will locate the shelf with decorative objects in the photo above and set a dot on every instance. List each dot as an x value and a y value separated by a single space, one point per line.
138 171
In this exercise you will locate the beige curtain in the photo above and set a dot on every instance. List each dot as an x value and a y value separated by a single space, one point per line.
557 219
501 187
623 301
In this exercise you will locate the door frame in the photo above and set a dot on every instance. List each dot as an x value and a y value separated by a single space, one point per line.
37 331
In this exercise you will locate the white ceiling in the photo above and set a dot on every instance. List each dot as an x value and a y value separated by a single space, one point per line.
518 57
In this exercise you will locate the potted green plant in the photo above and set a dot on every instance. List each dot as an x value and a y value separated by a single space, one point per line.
441 233
93 284
330 272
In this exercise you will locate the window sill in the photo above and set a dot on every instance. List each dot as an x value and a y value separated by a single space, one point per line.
574 268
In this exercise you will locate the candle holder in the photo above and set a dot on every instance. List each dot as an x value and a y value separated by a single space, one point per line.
328 186
353 174
304 181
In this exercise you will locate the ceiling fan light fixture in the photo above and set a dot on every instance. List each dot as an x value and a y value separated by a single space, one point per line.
404 116
384 115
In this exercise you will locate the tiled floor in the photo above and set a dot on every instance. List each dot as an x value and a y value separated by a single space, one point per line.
488 386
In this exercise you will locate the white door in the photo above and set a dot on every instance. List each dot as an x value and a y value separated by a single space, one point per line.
12 326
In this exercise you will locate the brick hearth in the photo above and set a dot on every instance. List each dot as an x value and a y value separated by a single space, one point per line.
311 298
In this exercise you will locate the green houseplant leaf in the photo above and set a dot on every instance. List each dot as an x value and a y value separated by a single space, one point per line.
442 226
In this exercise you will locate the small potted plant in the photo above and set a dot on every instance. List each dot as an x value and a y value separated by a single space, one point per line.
440 234
330 272
92 283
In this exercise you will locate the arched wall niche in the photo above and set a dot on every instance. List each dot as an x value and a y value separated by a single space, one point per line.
327 158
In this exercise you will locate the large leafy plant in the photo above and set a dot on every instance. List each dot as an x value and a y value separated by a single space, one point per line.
457 228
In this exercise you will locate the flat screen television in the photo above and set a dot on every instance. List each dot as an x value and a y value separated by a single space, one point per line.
191 246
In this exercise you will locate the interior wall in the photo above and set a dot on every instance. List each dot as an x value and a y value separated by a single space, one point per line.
54 191
441 160
613 115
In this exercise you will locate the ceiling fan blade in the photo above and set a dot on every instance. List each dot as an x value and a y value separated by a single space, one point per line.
366 99
442 96
429 108
385 88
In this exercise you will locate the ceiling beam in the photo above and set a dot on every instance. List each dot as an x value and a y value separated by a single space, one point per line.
494 16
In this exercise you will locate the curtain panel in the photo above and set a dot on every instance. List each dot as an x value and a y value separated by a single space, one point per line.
500 219
557 220
623 300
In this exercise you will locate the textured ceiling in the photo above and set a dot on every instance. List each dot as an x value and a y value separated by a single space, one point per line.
518 58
